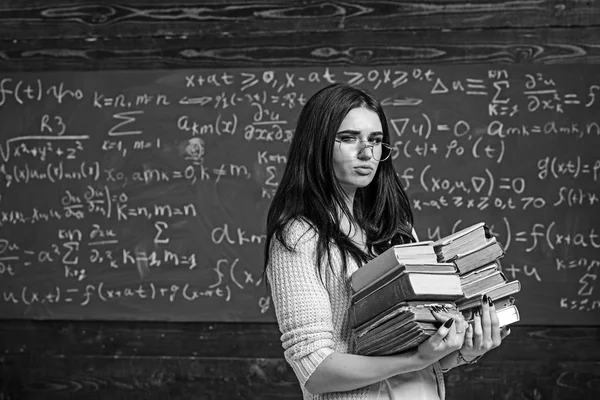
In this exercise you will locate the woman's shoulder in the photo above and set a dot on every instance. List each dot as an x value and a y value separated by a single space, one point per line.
299 230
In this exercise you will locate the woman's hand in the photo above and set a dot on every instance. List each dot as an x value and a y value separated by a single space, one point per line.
448 338
484 333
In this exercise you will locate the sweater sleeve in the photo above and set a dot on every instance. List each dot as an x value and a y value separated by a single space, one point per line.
301 301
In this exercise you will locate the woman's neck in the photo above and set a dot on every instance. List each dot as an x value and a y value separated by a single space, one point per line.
352 230
349 200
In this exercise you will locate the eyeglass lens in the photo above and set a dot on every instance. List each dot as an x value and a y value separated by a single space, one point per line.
378 152
382 153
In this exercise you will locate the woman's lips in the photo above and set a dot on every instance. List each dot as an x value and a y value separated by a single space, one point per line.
363 169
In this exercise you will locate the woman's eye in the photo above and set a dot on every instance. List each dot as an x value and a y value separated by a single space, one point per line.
375 141
348 139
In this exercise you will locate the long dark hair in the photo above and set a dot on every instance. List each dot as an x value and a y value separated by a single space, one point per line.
309 189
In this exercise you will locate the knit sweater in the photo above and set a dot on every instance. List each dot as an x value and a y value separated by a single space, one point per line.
312 316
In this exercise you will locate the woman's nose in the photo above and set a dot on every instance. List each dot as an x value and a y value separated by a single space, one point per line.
366 151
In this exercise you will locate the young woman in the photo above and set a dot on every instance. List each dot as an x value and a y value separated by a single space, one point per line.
340 203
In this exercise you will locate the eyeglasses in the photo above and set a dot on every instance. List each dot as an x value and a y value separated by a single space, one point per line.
379 151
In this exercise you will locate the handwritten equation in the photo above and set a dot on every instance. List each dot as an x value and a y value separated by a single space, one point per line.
133 188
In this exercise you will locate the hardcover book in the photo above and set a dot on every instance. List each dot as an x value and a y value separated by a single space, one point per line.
407 286
479 256
498 292
393 294
414 253
482 281
508 315
473 236
506 311
498 304
404 339
394 273
403 327
403 311
480 273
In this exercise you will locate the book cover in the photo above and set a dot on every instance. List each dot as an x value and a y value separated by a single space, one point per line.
419 252
408 286
461 236
479 256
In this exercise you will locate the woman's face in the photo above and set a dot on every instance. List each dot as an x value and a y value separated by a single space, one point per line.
355 168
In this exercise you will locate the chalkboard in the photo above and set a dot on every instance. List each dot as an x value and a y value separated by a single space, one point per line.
142 195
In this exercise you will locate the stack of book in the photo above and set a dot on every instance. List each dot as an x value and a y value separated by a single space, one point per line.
394 294
400 328
476 254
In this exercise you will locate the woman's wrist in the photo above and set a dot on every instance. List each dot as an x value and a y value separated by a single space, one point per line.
424 361
460 358
449 361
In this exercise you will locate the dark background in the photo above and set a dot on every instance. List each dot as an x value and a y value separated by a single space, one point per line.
547 356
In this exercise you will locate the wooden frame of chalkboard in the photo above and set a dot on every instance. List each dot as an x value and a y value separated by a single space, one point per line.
122 359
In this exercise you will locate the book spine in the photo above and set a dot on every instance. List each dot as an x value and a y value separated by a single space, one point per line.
373 270
380 300
377 285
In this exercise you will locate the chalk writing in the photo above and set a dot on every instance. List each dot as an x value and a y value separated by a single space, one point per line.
143 194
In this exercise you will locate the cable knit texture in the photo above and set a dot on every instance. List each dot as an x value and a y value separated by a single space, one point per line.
312 313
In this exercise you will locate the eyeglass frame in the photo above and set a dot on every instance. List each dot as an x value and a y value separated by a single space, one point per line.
368 145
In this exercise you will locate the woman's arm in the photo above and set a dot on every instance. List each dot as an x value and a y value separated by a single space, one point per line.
304 313
341 372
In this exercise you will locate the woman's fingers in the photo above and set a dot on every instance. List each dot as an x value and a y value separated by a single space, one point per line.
495 325
468 337
443 342
486 324
461 326
442 333
477 329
